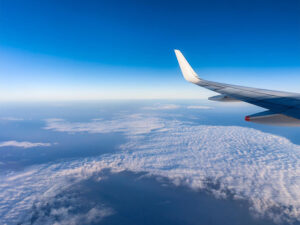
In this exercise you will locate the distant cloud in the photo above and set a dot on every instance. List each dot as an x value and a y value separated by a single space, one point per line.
198 107
162 107
172 106
11 118
133 124
23 144
258 167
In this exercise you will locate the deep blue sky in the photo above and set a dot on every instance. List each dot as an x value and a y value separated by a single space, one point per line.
126 44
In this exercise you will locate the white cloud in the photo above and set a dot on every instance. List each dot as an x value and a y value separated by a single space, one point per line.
39 186
131 125
198 107
62 210
258 167
94 215
23 144
11 119
261 168
173 106
161 107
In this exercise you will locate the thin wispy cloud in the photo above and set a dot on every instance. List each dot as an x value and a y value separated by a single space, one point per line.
162 107
23 144
42 192
62 210
92 216
198 107
11 119
133 124
173 106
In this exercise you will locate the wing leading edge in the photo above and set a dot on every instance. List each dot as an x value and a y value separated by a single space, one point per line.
285 106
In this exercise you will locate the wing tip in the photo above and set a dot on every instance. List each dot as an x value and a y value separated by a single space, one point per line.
177 53
187 71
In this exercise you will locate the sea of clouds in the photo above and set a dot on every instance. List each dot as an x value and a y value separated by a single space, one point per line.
229 161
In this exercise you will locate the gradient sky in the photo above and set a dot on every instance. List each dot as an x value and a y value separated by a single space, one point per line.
68 50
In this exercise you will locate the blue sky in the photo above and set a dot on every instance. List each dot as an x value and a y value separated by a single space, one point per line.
63 50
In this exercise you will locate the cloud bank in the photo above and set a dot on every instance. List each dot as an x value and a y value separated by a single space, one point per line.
131 125
162 107
11 119
23 144
173 106
198 107
261 168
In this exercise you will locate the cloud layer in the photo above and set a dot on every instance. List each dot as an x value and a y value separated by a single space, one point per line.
251 165
23 144
173 106
198 107
11 119
162 107
261 168
131 125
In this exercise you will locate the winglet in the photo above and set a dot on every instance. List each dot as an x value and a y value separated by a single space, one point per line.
187 71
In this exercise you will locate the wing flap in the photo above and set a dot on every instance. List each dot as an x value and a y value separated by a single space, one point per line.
271 118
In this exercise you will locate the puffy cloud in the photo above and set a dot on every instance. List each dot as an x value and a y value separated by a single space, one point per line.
258 167
23 144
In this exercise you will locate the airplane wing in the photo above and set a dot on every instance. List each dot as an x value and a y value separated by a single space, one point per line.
283 108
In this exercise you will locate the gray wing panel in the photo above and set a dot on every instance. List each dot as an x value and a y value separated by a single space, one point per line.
280 102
